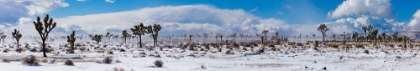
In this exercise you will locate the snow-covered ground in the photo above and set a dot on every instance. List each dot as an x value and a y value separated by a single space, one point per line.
288 58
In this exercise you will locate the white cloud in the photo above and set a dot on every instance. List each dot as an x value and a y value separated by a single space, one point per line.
12 10
189 19
415 21
354 24
110 1
380 8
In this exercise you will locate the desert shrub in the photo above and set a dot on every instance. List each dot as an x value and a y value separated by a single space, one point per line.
19 50
243 48
33 50
69 63
316 43
366 51
229 52
30 60
107 60
203 67
6 60
6 50
52 61
44 60
118 69
110 52
220 49
143 54
236 45
158 63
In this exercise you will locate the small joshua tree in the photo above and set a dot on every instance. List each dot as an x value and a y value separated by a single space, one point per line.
190 37
125 35
108 35
139 30
263 36
17 36
44 28
97 38
71 40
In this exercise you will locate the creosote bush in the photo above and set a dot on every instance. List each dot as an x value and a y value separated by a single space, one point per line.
107 60
69 63
158 63
366 51
30 60
6 60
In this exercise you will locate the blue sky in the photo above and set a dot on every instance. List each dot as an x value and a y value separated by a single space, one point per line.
218 16
310 10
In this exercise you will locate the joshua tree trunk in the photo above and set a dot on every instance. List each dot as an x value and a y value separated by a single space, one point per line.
140 42
262 40
43 48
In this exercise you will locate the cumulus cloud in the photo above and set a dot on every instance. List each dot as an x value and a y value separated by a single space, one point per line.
380 8
354 24
186 19
415 21
12 10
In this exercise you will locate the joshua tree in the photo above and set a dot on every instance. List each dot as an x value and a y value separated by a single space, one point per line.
2 36
155 32
364 28
277 35
221 37
71 40
44 28
108 35
383 36
205 36
139 30
395 36
17 36
264 34
125 35
373 34
355 35
314 36
97 38
190 37
323 29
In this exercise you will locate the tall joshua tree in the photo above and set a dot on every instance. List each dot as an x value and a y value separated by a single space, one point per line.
364 28
155 33
17 36
125 35
44 28
323 28
139 30
71 40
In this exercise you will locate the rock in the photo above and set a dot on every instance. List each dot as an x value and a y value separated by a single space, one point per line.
325 68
